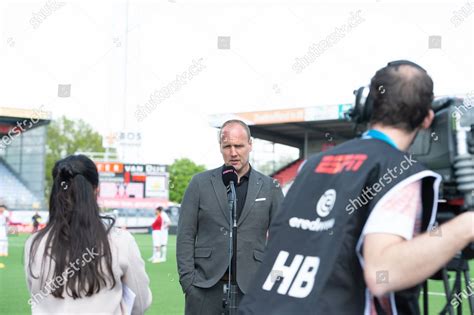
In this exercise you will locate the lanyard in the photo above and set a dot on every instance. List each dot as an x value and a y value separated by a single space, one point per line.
375 134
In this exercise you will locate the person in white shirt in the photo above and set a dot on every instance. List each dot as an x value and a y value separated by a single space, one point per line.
3 231
79 263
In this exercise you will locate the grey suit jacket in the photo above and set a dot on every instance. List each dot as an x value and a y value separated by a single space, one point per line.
203 229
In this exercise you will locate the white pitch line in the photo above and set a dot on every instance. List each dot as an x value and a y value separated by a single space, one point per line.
436 294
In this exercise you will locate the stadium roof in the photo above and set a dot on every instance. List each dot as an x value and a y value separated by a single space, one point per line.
296 125
11 117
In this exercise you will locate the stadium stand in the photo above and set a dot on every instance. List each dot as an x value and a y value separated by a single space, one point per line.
286 174
23 139
13 191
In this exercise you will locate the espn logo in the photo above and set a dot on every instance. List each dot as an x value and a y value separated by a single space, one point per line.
334 164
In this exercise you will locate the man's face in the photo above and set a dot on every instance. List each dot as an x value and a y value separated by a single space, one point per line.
2 209
235 146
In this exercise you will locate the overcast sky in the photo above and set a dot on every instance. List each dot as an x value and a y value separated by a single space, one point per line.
115 55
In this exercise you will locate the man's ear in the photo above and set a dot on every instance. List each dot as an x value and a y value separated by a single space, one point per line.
428 120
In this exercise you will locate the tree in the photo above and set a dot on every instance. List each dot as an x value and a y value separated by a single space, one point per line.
181 172
66 137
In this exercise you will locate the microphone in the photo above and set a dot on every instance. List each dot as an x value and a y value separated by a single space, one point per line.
229 175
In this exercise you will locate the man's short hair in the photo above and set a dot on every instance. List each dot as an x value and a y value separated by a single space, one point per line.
160 208
402 96
3 206
235 121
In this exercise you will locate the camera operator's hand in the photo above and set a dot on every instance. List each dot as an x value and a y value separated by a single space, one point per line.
471 215
410 262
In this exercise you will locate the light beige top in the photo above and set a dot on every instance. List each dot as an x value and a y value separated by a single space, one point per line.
128 268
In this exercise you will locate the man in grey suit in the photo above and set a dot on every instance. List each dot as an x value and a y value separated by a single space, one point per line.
202 246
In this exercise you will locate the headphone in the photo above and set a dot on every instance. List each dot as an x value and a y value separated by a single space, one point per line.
362 110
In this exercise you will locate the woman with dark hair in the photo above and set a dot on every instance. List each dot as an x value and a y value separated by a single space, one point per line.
80 263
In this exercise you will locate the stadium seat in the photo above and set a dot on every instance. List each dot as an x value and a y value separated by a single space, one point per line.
287 174
13 192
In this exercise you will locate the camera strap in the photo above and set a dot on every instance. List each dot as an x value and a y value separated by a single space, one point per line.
375 134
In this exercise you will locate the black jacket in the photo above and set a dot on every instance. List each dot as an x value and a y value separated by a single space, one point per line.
313 262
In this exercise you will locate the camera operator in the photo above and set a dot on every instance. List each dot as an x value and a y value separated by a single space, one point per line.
356 234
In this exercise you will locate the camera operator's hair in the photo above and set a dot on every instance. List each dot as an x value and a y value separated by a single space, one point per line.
402 96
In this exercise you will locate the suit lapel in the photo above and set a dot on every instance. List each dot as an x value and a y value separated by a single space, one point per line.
220 191
255 184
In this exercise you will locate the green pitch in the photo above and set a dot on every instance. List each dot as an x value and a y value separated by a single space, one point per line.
167 296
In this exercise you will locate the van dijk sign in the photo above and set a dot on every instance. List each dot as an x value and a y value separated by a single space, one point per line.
133 185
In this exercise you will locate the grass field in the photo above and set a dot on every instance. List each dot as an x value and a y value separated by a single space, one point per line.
167 296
